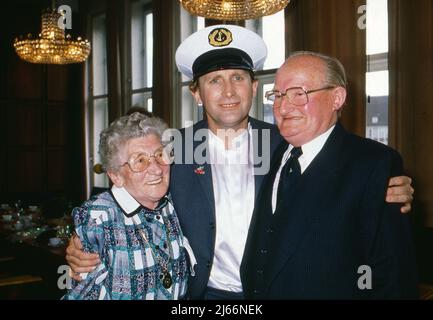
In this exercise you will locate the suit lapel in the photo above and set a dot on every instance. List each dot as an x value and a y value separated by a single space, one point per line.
257 149
203 172
295 216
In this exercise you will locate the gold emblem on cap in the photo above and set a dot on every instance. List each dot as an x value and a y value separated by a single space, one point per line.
220 37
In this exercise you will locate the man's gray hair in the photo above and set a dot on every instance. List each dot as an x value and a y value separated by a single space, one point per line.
136 125
335 73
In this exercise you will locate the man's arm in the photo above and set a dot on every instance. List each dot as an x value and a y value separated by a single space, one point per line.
388 238
79 261
400 191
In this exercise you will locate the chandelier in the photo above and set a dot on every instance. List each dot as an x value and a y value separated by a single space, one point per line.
233 9
51 47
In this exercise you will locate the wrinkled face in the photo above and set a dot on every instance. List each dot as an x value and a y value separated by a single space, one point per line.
227 98
150 185
301 124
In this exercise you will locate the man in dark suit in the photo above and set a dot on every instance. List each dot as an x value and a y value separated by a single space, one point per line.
321 228
221 161
214 193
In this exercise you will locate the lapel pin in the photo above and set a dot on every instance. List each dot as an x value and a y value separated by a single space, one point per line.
200 170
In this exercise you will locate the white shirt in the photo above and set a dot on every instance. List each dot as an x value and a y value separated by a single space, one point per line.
309 151
233 186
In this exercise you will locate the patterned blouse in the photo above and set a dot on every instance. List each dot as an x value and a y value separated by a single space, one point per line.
143 252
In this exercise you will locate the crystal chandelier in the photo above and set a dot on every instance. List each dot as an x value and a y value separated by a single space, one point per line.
51 47
233 9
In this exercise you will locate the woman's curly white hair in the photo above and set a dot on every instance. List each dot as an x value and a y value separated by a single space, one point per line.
136 125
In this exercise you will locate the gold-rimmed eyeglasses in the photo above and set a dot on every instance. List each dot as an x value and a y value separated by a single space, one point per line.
297 96
139 162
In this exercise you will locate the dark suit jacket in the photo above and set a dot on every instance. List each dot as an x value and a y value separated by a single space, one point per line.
335 222
193 199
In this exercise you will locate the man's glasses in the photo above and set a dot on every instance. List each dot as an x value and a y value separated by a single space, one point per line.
297 96
139 162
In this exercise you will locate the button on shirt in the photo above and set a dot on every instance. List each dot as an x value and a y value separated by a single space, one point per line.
233 186
309 151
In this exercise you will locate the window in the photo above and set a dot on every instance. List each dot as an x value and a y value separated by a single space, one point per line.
190 112
98 98
271 29
377 78
142 54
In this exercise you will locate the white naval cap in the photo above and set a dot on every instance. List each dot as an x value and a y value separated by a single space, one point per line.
220 47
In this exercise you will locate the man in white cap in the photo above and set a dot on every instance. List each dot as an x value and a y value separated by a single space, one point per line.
215 199
215 204
214 194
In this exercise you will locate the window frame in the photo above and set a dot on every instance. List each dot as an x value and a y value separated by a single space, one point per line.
146 91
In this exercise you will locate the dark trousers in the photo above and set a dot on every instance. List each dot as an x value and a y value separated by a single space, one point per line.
216 294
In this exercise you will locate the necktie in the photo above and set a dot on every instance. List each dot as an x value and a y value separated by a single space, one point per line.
289 174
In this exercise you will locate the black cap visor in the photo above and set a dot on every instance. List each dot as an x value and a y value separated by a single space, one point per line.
220 59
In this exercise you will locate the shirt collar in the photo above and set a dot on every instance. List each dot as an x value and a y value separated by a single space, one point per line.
311 149
130 206
237 154
238 141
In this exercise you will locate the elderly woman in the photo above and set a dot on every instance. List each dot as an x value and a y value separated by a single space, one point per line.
133 227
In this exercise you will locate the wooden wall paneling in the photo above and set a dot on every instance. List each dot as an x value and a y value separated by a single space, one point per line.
411 95
331 27
24 79
24 170
3 175
56 126
4 48
3 129
3 150
58 82
24 122
75 117
41 107
351 50
57 168
165 72
114 18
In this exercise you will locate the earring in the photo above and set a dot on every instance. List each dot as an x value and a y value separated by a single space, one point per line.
200 104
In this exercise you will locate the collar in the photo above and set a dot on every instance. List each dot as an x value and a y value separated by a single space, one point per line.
130 206
311 149
216 142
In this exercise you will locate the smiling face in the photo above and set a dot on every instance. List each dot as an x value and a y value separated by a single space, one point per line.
301 124
150 185
227 98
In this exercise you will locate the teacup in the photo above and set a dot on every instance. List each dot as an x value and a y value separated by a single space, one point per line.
18 226
55 241
7 217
